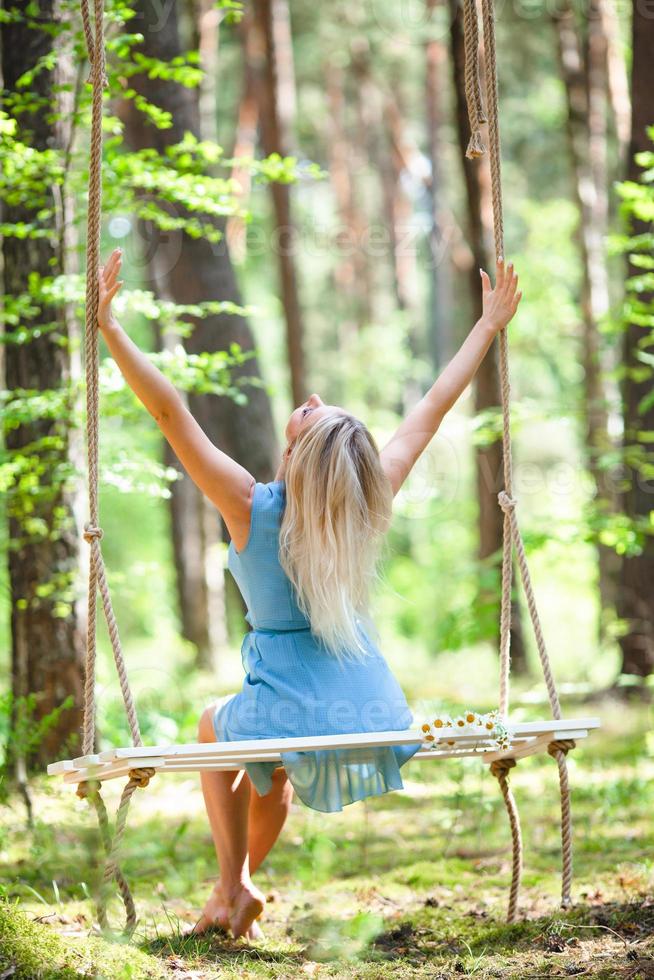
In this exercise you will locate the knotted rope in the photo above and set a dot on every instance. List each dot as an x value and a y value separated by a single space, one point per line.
500 769
476 114
92 531
559 749
512 537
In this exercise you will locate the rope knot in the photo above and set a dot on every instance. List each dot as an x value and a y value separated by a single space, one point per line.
476 147
104 81
141 777
507 503
87 788
561 745
91 532
500 767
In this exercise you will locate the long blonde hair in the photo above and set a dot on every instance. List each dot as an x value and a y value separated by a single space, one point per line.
338 508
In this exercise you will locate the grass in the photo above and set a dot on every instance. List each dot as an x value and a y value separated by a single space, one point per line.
409 885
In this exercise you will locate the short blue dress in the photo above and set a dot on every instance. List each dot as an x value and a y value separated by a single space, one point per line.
294 686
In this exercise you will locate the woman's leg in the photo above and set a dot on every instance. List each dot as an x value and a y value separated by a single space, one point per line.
227 799
239 854
267 817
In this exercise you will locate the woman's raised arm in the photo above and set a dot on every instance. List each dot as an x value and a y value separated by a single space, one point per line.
224 481
416 431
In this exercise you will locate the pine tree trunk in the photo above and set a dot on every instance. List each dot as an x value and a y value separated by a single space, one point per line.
245 146
488 459
440 341
586 85
275 88
636 599
351 273
189 270
47 647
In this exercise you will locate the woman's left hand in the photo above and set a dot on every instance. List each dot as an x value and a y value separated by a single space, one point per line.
500 303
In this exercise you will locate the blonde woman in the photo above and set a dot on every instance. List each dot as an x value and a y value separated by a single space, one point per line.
303 552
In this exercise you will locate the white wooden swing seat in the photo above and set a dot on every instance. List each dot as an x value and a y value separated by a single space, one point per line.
527 738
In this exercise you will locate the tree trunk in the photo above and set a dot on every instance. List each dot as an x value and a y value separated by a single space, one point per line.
189 270
272 64
405 163
47 647
440 341
351 273
207 23
586 85
245 146
618 83
488 459
636 600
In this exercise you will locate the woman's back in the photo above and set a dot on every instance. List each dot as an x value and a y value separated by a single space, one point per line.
294 686
265 587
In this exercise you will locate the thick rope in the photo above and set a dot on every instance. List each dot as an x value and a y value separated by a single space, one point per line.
476 114
559 749
91 791
92 531
500 769
512 536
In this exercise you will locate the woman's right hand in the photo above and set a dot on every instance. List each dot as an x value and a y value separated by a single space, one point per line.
108 286
500 303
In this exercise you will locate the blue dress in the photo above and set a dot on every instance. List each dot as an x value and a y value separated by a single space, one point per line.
294 686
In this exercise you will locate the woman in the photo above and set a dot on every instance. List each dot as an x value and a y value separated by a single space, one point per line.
303 551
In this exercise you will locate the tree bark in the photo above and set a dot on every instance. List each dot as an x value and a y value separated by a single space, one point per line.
586 84
245 145
47 647
272 62
488 459
189 270
440 341
618 83
351 273
636 600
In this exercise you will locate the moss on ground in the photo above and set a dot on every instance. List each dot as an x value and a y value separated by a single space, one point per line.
33 950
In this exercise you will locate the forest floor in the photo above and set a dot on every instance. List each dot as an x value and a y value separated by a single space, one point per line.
409 885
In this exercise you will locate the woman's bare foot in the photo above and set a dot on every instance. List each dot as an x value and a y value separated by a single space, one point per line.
237 912
246 905
255 931
215 914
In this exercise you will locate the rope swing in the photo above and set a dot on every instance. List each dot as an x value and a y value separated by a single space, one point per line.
92 531
512 537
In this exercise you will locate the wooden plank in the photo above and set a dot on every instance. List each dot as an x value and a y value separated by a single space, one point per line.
111 771
538 744
258 749
356 740
88 760
252 746
121 768
58 768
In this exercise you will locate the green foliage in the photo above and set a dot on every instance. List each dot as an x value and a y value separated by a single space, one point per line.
22 731
27 177
638 206
188 190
